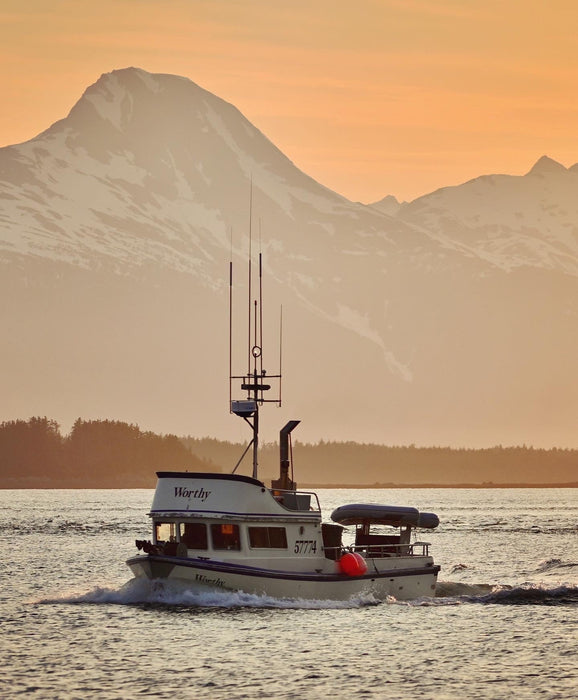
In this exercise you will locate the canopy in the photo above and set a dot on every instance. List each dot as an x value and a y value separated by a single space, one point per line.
395 516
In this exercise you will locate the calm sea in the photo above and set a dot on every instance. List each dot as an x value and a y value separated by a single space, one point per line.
504 622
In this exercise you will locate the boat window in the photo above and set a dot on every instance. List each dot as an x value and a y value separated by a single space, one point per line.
194 535
225 536
166 532
268 537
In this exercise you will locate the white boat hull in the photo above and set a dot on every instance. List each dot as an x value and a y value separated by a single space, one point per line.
409 580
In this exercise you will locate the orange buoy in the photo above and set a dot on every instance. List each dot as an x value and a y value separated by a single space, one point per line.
352 564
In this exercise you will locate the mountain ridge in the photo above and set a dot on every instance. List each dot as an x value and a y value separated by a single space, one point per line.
116 228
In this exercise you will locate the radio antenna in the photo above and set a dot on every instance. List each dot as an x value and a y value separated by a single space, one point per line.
230 329
260 312
250 275
280 351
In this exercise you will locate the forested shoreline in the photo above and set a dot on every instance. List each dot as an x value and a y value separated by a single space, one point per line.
351 464
114 454
96 454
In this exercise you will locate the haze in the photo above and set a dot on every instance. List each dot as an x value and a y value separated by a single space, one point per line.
370 98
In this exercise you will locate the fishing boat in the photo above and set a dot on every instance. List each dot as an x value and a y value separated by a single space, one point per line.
231 532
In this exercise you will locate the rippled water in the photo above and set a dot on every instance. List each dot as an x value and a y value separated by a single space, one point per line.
504 622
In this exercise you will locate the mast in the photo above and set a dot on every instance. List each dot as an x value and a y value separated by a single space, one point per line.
256 380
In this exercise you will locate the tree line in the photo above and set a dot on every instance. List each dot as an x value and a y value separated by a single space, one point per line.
96 454
114 454
358 464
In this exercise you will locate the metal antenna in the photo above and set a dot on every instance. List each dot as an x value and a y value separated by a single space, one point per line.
260 298
250 256
260 313
280 352
230 331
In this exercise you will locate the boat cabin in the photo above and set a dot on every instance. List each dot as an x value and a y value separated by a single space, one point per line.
228 515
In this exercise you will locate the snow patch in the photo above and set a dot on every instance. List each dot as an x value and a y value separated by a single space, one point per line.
360 324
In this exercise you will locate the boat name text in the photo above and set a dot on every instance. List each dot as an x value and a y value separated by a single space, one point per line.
184 492
201 578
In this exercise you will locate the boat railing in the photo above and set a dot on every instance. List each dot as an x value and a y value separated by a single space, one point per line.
297 500
377 551
415 549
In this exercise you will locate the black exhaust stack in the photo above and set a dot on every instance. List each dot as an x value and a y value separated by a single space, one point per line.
284 483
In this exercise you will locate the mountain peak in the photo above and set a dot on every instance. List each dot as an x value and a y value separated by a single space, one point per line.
545 166
388 205
116 96
136 79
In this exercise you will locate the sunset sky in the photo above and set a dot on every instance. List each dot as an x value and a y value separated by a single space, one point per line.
370 98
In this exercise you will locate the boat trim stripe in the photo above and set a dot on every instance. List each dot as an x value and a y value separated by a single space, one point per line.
229 568
211 476
302 515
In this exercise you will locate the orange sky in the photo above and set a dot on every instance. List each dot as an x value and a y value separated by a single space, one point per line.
370 98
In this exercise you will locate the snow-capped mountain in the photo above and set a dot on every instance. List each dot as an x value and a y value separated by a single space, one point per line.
510 221
451 319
